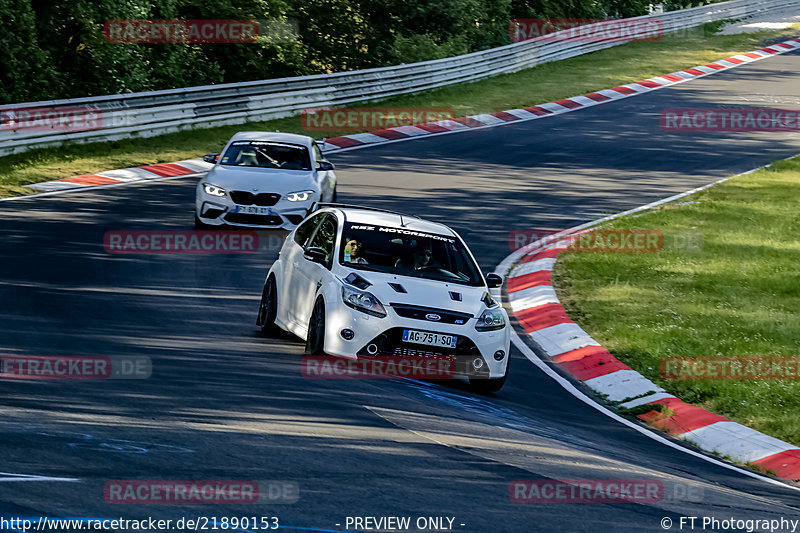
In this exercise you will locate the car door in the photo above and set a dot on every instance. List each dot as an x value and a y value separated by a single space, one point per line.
310 276
292 258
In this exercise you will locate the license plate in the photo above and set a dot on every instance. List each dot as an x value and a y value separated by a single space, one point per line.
430 339
253 210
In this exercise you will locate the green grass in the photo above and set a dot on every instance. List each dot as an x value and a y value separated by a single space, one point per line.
552 81
739 295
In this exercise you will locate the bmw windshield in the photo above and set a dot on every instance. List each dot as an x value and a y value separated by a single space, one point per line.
266 154
406 252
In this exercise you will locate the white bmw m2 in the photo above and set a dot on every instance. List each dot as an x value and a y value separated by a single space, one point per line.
264 180
359 282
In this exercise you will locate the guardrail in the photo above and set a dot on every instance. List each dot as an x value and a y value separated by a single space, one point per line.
157 112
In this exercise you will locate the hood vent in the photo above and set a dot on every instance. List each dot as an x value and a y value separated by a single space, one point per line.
357 281
455 296
398 288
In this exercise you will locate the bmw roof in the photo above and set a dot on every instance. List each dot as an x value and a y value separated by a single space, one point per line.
276 136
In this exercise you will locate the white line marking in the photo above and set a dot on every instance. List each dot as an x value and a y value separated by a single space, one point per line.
622 384
562 338
28 477
611 93
485 118
409 130
557 109
532 297
533 266
646 399
704 69
368 138
685 75
736 440
520 113
585 101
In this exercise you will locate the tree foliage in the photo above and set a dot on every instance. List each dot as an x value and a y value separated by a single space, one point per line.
58 49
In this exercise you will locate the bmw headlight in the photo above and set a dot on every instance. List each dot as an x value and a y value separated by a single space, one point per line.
490 320
299 196
362 301
213 190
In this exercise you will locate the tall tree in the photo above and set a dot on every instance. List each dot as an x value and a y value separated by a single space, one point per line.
27 72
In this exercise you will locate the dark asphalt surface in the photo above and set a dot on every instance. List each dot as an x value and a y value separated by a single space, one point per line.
225 403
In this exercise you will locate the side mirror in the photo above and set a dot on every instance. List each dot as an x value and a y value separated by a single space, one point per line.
325 165
493 281
315 254
211 158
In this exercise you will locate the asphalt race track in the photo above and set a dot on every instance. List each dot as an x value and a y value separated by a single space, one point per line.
225 403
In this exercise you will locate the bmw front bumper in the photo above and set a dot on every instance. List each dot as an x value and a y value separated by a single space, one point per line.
221 210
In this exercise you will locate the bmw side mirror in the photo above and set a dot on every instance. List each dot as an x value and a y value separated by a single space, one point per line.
325 165
211 158
493 281
315 254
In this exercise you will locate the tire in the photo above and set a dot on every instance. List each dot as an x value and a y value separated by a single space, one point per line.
489 385
268 308
199 224
315 339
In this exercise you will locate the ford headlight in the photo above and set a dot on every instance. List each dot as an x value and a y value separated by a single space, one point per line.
299 196
213 190
490 320
362 301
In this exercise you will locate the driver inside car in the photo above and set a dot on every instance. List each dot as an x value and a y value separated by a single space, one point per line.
247 158
420 259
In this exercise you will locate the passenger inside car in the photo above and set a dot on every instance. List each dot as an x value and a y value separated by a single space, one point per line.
353 253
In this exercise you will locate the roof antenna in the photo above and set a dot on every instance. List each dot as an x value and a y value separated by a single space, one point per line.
402 224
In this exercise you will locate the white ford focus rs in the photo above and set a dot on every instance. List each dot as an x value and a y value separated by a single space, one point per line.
264 180
359 282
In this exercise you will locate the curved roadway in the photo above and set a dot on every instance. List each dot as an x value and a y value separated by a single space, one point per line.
225 403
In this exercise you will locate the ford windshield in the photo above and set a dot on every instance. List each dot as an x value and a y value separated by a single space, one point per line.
407 252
